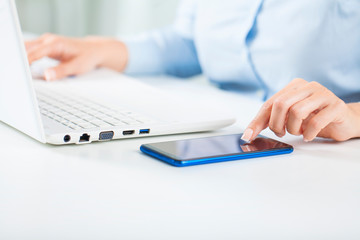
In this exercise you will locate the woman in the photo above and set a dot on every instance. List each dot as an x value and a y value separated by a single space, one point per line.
253 46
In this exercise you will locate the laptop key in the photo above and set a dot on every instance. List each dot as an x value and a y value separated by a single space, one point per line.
76 115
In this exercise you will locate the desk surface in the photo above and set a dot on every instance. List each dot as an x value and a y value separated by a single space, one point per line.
112 191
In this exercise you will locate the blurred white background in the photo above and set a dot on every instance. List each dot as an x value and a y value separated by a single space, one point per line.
95 17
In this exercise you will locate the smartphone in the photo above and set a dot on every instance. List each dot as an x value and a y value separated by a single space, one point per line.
214 149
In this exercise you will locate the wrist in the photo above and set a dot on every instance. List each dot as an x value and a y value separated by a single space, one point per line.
115 55
110 53
355 118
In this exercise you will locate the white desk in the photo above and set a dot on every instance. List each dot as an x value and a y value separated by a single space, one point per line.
112 191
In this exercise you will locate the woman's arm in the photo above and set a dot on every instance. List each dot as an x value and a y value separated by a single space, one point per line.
77 55
308 109
166 51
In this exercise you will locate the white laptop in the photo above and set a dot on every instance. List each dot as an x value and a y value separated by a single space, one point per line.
99 107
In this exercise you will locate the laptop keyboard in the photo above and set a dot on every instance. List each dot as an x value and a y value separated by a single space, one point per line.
83 114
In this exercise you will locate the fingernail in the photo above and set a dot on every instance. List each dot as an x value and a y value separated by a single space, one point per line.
49 75
247 134
306 140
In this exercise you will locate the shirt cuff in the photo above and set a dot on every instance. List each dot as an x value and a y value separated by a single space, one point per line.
143 56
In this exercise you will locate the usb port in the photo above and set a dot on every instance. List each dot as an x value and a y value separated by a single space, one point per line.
128 132
144 131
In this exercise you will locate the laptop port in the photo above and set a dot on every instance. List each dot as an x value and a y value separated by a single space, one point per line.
144 131
128 132
103 136
85 137
67 138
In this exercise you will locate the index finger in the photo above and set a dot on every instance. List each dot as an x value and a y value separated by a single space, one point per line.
261 121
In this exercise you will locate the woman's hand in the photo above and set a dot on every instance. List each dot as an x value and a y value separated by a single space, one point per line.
308 109
77 56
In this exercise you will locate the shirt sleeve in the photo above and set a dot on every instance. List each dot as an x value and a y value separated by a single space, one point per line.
169 51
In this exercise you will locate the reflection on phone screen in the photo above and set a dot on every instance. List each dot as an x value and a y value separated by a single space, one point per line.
216 146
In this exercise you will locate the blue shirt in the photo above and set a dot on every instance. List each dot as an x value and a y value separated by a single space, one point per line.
257 45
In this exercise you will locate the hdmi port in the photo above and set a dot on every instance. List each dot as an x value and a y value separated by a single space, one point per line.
128 132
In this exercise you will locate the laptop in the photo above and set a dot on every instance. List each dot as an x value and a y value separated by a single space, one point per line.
100 106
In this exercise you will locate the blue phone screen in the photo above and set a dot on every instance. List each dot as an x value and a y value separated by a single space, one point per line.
218 146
